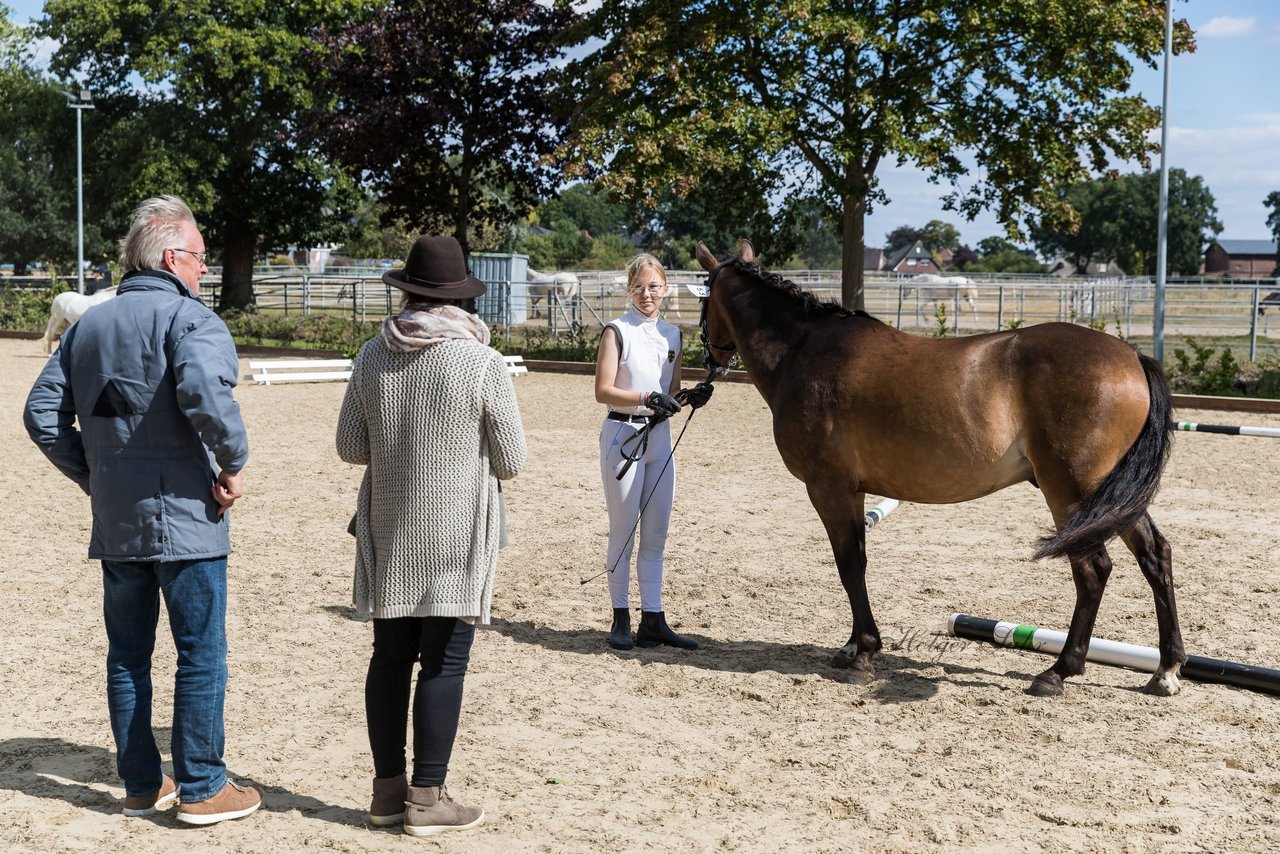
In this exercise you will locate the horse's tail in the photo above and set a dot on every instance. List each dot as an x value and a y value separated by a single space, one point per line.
1128 489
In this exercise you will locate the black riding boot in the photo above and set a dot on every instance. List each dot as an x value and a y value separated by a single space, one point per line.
654 631
620 634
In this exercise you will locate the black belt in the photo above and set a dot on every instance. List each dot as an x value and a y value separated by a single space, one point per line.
622 416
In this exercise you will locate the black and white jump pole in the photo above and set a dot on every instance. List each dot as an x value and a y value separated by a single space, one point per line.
1114 653
1192 427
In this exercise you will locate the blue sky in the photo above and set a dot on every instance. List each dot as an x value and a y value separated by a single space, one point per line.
1224 124
1224 121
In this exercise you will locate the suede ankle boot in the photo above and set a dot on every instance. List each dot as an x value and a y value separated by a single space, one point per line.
620 634
389 795
429 810
654 631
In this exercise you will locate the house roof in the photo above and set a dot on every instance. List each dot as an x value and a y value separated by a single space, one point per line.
915 250
872 259
1247 247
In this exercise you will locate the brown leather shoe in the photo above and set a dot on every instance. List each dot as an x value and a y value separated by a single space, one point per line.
430 810
163 797
233 801
389 795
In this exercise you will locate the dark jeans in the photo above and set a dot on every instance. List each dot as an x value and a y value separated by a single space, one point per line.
195 594
443 646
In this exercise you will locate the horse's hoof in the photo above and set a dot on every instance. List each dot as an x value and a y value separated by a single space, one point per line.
1047 684
1163 685
859 676
860 672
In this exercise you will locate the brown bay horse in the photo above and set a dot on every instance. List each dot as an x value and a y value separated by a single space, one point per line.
860 407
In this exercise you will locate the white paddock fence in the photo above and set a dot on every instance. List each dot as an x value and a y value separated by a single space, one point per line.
1120 306
272 371
1249 310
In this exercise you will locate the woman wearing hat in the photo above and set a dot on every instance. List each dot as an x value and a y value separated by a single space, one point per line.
432 415
638 378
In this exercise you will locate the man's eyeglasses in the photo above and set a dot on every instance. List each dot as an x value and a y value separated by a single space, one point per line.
199 256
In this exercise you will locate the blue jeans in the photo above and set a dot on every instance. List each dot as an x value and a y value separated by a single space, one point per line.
195 594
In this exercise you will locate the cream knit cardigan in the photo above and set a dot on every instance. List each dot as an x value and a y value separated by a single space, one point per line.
437 428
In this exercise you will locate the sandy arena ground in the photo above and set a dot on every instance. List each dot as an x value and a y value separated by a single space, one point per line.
753 743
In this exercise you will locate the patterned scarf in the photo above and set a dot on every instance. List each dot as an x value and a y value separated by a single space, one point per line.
422 326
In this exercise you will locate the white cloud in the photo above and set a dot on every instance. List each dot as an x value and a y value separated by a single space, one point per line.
1227 27
1239 167
41 52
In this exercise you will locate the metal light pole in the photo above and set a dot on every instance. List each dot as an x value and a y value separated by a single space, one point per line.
81 102
1162 238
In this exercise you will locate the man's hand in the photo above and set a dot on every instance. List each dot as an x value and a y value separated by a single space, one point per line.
228 488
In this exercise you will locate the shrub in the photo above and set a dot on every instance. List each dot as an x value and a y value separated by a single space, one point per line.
1199 372
28 310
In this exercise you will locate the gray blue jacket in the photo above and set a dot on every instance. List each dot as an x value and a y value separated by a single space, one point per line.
148 375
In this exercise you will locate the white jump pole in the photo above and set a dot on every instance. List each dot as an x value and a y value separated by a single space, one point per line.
1115 653
1192 427
884 508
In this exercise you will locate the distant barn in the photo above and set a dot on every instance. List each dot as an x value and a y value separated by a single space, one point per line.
1244 259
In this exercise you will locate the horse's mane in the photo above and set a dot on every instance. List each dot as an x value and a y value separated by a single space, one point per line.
812 306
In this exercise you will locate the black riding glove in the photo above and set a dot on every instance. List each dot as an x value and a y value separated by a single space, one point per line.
697 396
663 404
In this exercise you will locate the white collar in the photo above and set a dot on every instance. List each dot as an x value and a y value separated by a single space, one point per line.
636 317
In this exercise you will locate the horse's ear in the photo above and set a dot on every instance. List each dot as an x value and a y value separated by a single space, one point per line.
745 250
705 258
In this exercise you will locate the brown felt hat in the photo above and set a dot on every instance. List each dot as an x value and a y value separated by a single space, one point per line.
436 268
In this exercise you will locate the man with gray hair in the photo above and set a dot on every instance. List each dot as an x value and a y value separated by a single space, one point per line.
159 449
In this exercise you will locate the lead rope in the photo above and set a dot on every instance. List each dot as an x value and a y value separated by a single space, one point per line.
630 460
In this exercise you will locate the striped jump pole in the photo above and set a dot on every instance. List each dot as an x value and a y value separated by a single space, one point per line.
884 508
1192 427
1114 653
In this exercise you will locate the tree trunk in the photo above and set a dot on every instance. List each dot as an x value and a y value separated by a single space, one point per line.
237 272
852 223
462 213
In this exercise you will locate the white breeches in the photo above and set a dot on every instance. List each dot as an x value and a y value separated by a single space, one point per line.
649 483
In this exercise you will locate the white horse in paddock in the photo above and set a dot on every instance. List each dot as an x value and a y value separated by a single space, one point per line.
541 286
67 308
942 290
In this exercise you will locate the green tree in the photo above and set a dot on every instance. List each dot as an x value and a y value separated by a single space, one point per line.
588 208
720 209
441 109
368 235
1272 201
216 90
1119 221
935 235
823 95
818 244
994 245
610 252
37 165
1009 260
562 247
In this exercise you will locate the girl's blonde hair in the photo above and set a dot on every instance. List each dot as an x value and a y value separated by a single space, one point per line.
639 264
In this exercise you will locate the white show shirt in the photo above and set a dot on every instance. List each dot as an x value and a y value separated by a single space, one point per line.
650 351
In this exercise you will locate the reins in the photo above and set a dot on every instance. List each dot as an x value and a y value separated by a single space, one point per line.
645 430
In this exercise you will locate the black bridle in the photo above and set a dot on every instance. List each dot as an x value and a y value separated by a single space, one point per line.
714 368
